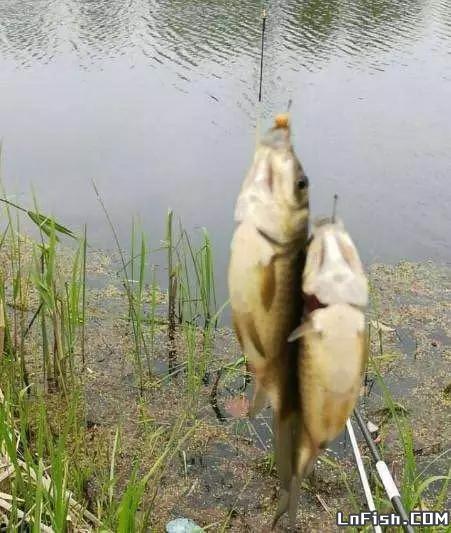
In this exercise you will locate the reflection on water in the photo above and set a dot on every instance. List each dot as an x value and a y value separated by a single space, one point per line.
157 101
354 29
188 33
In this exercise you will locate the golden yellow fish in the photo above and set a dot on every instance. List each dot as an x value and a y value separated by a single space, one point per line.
267 257
332 351
267 254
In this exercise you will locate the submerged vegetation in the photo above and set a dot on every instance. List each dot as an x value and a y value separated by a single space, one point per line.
114 392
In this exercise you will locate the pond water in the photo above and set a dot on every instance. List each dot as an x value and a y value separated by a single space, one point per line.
157 101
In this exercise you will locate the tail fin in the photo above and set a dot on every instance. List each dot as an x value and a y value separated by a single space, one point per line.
285 437
293 503
288 501
284 500
295 460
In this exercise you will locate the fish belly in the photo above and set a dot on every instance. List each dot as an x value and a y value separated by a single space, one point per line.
330 376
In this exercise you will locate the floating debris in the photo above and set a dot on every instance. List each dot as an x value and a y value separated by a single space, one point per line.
379 326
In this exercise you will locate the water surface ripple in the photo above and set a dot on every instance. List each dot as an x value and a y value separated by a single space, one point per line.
157 100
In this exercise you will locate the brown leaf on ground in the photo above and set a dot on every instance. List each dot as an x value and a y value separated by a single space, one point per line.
238 406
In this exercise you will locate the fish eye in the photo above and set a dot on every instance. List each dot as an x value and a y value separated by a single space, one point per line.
302 182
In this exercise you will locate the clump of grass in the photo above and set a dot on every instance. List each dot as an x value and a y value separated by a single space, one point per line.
36 472
136 284
30 494
48 307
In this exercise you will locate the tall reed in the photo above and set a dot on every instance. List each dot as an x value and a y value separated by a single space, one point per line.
172 292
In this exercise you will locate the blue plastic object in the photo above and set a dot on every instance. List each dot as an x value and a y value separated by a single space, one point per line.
183 525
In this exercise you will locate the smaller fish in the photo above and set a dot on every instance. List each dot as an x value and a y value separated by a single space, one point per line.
332 350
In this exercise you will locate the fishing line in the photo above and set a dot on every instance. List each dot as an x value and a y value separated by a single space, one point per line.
262 48
384 474
362 472
261 53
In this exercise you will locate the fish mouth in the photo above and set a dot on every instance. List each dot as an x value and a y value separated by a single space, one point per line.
278 137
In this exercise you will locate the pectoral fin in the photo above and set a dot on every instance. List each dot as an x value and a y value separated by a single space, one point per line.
300 331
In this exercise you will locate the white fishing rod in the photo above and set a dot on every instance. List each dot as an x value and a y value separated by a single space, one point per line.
384 474
362 472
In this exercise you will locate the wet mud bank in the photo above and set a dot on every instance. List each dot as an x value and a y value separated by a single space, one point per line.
223 475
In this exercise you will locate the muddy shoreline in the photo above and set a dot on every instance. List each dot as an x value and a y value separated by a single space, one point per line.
225 474
220 469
